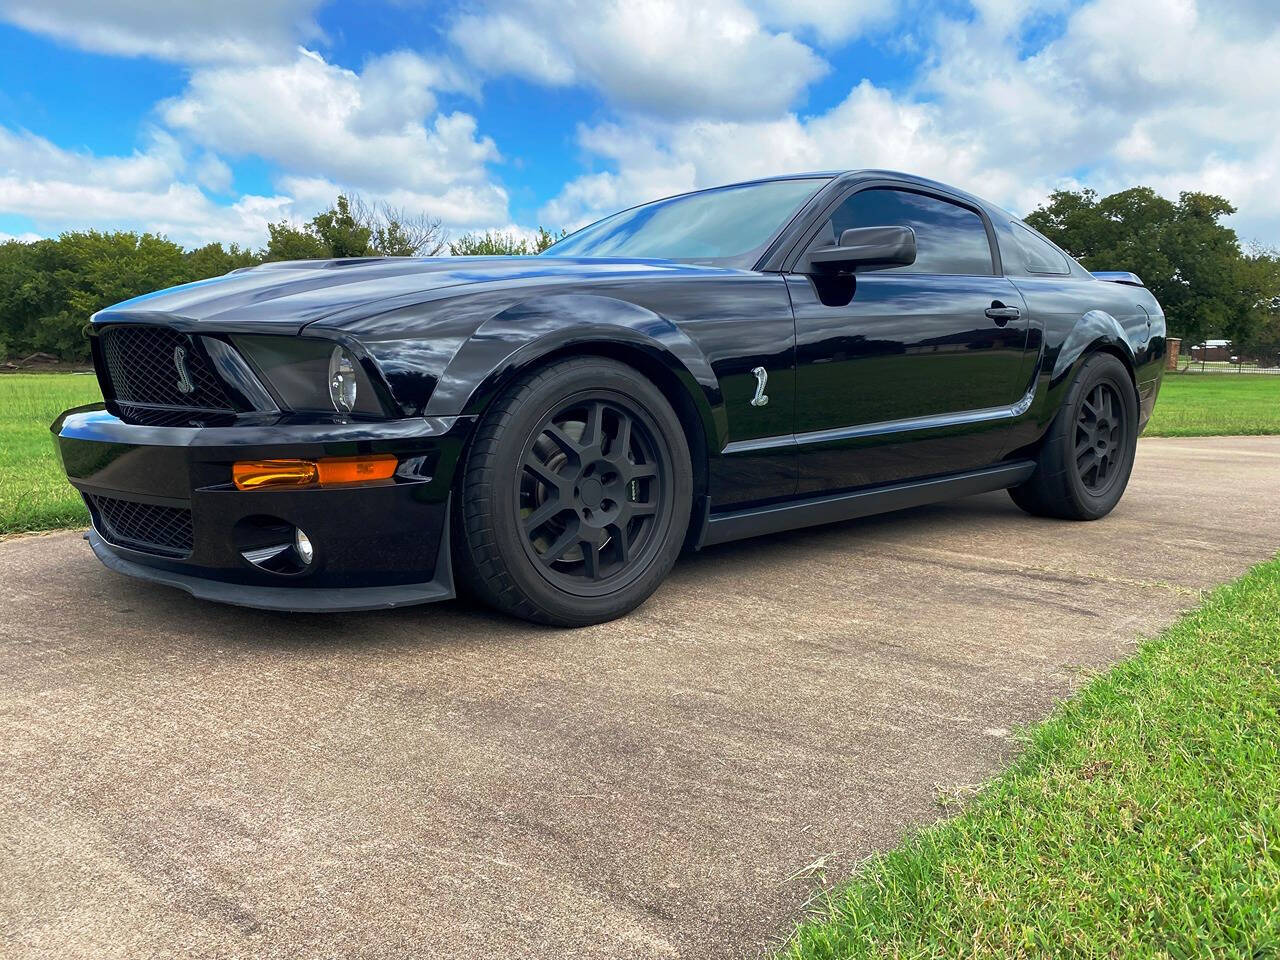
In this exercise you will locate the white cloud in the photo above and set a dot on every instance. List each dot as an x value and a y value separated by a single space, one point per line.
870 128
371 131
212 173
191 31
1178 94
61 189
1171 93
1158 92
665 57
27 237
832 21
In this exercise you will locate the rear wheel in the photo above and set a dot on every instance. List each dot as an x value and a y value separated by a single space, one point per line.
576 495
1087 456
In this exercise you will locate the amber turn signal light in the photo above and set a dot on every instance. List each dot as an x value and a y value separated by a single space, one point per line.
335 470
330 471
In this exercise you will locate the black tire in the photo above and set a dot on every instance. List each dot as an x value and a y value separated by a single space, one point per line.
1087 456
575 496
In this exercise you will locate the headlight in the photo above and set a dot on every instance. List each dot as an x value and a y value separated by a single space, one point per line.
343 387
312 374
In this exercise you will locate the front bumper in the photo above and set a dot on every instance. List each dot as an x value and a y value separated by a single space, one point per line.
377 545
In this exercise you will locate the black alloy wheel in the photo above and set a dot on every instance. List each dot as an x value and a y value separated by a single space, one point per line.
591 485
575 497
1100 430
1086 457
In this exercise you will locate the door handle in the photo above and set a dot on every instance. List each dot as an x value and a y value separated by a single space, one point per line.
1002 314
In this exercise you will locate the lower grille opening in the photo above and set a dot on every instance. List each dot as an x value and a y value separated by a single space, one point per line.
142 526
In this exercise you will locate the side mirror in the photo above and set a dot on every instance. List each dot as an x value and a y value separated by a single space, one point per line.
866 247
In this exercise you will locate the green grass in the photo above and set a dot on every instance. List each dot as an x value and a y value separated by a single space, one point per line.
1211 404
35 496
1143 819
34 493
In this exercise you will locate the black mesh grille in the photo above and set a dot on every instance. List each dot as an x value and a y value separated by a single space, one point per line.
155 366
163 417
143 526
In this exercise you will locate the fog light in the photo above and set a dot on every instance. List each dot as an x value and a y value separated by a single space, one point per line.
302 545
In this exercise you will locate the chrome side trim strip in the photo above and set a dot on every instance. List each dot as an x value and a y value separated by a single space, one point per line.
907 425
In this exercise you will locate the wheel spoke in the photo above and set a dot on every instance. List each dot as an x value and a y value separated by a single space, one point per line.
590 559
1085 459
561 439
622 442
541 471
542 514
642 471
561 544
592 433
618 535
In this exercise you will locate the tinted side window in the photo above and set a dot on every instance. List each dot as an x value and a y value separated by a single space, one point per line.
949 238
1038 254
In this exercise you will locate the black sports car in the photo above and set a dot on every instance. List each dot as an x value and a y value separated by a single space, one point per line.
551 431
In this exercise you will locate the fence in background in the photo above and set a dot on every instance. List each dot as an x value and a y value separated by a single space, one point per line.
1215 358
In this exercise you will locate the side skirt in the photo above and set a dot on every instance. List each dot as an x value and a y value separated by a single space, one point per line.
776 517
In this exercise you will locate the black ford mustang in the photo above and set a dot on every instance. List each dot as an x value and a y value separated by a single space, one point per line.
551 431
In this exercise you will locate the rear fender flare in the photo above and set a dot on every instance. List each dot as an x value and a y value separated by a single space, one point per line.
1096 331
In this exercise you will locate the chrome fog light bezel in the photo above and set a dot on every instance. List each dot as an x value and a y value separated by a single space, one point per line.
303 547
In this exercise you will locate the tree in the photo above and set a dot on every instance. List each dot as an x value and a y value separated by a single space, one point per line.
341 233
50 288
354 228
546 238
498 244
287 242
1190 260
213 260
395 232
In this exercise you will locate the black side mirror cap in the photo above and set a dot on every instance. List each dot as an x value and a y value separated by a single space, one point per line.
866 247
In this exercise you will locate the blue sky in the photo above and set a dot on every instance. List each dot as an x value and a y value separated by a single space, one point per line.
207 121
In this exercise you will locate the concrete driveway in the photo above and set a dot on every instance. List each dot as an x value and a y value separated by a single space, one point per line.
178 777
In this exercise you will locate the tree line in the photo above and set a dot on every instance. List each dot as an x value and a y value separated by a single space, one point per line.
1208 284
49 288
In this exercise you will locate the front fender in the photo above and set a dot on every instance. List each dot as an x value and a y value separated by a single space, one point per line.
523 334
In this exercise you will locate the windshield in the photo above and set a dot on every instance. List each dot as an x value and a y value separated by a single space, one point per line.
722 224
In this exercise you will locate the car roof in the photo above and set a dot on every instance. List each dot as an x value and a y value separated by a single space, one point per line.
851 176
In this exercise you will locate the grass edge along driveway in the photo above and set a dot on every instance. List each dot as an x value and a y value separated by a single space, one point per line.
1142 819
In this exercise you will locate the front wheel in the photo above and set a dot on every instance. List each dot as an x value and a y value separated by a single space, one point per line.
1087 455
576 495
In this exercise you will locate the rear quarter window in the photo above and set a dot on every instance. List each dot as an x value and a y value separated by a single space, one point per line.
1038 254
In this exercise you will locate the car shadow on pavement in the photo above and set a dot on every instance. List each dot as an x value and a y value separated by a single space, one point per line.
162 611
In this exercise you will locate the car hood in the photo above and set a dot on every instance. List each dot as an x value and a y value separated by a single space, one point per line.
285 297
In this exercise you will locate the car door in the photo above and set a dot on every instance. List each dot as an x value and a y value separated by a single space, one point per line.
911 371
